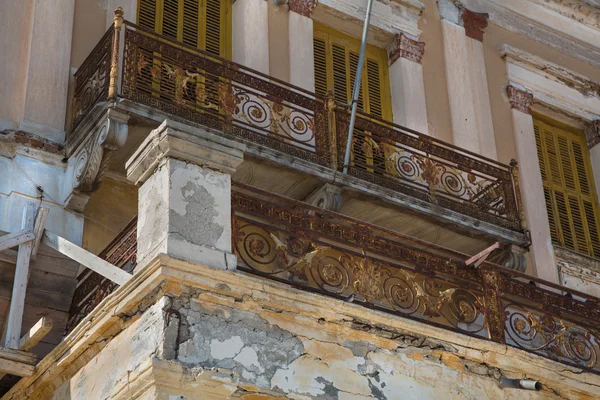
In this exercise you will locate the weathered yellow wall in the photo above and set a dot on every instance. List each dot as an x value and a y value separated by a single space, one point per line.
108 211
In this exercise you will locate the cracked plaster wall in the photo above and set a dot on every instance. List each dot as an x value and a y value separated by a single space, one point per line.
185 211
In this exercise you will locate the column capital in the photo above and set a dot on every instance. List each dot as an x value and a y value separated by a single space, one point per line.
519 99
474 23
404 47
592 134
194 145
302 7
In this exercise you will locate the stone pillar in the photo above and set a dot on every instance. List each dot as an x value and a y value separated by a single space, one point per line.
470 107
35 76
250 25
300 30
406 82
531 182
185 199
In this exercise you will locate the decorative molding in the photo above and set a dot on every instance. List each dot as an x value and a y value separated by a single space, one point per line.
328 197
474 23
519 99
89 162
555 87
535 20
511 257
303 7
586 12
592 134
404 47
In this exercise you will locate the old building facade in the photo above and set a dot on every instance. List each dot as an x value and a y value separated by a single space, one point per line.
198 146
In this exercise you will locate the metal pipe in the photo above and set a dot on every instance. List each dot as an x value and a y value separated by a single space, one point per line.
357 80
527 384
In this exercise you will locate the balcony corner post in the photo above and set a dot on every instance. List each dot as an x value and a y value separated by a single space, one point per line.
332 134
494 311
514 169
114 61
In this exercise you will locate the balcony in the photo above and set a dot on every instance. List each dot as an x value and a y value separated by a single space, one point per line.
152 78
320 251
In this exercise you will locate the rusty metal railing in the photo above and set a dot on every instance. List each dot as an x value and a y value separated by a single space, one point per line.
187 83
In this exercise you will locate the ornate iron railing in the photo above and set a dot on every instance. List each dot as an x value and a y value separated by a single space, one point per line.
201 88
92 287
325 252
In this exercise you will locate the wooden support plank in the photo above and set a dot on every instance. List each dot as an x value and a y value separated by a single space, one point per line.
35 334
86 258
17 303
38 230
8 256
16 362
15 239
479 258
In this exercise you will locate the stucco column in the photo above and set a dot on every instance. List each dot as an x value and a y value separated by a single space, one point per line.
250 25
184 207
406 82
301 34
468 93
531 184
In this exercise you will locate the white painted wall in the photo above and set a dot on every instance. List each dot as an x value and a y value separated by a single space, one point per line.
250 26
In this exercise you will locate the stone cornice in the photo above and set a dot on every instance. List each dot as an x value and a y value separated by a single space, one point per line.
536 20
388 17
551 70
579 10
404 47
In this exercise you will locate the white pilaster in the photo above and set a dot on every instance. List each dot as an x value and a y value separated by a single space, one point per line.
250 25
301 51
185 201
533 189
407 85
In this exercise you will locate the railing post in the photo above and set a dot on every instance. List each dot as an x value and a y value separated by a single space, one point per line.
114 61
514 169
331 130
494 311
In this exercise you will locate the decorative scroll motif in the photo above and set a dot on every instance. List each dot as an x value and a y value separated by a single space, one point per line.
519 99
89 161
474 23
92 288
224 96
552 336
405 47
358 278
592 134
303 7
430 170
92 79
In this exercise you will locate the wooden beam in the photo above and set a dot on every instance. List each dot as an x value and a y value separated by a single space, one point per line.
35 334
17 303
15 239
479 258
38 230
16 362
86 258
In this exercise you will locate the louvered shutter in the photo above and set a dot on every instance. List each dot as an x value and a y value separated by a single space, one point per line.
568 188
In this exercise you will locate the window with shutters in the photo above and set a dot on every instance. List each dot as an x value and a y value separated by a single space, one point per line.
200 23
336 62
569 191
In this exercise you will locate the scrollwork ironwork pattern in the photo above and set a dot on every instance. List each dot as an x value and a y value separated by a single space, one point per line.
91 79
92 288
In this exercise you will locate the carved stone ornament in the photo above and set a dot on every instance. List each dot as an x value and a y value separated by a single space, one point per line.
89 162
593 134
474 24
405 47
327 197
303 7
511 257
519 99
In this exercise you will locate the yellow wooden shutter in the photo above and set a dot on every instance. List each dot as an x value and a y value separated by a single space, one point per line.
336 62
200 23
569 190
